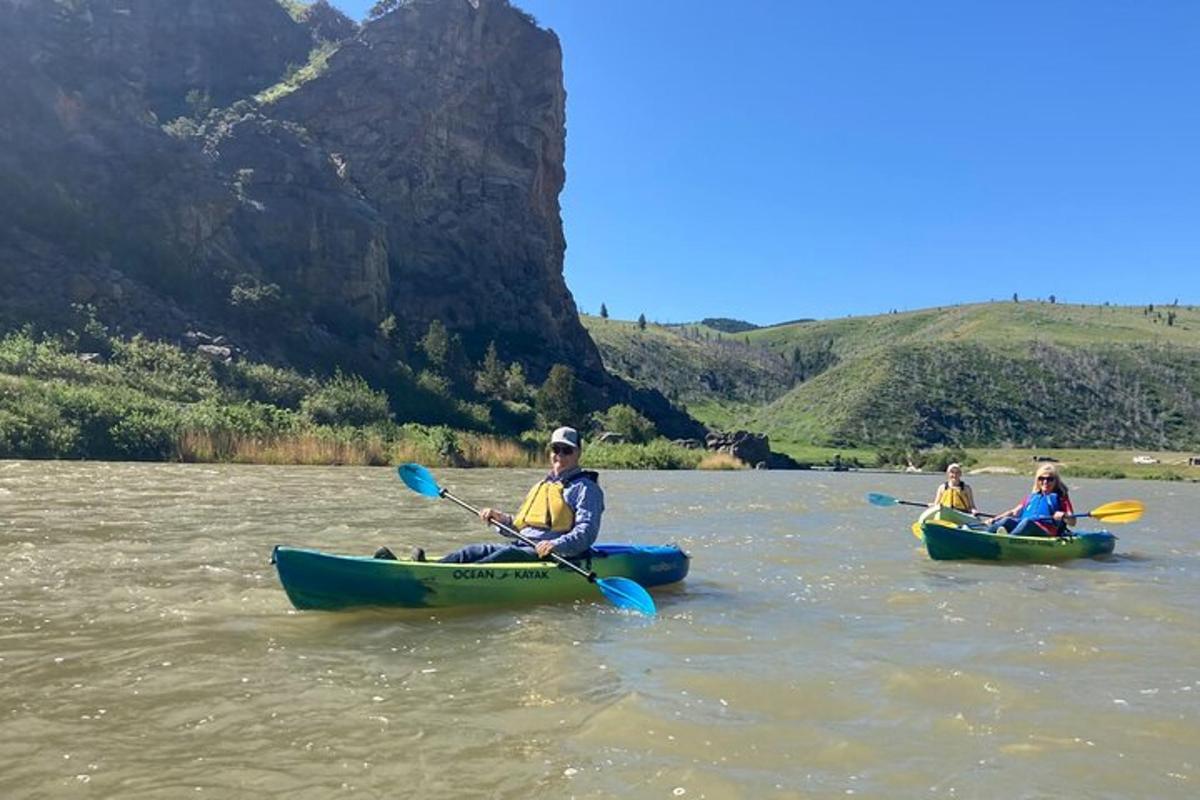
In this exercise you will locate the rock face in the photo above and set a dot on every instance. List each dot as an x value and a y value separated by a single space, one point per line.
449 118
154 167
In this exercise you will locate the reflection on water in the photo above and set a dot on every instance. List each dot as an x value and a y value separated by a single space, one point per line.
147 650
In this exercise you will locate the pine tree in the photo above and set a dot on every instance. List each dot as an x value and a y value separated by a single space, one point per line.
436 345
603 311
490 378
515 386
558 402
641 322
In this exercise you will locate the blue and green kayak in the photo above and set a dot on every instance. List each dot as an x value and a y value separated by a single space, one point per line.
313 579
952 535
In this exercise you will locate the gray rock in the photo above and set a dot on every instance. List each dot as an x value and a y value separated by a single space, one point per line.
216 353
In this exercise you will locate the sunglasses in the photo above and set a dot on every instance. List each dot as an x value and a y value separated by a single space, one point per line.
561 449
1046 478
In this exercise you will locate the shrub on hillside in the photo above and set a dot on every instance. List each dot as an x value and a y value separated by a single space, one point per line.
346 400
162 370
21 353
263 383
659 454
625 420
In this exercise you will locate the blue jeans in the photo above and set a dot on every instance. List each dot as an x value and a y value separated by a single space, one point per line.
491 553
1024 527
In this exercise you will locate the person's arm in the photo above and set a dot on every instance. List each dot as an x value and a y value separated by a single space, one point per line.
1012 512
588 501
1066 515
490 515
937 496
971 500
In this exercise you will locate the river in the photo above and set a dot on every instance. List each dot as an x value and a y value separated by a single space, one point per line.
147 650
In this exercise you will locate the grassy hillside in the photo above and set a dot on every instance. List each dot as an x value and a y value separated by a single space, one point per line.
718 376
1029 374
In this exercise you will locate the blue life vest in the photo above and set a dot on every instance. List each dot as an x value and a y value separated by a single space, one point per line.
1041 506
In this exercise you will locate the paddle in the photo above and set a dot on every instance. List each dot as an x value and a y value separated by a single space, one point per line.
879 499
1119 511
621 592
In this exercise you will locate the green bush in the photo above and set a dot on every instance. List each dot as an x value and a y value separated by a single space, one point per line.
146 434
31 427
346 400
625 420
23 354
246 419
263 383
163 370
659 454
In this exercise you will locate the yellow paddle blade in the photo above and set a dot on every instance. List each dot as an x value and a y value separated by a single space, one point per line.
1119 511
916 529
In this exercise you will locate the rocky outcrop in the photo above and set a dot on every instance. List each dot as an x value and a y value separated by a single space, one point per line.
219 165
449 118
750 448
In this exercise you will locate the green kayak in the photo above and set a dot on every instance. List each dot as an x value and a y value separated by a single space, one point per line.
951 535
313 579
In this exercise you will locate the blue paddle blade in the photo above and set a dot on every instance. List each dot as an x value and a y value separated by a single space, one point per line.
624 593
877 499
419 480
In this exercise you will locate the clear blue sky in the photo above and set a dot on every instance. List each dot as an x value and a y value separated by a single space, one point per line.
777 160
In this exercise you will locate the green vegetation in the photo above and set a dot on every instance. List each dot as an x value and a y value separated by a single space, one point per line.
727 325
989 385
715 377
659 454
295 8
626 421
1020 375
98 396
298 75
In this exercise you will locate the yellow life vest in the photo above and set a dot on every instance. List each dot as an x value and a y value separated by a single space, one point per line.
954 497
546 508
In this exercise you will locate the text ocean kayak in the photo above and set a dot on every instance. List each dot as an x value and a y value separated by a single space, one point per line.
313 579
948 538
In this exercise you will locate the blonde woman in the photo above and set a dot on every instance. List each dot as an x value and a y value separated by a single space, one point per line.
954 493
1045 511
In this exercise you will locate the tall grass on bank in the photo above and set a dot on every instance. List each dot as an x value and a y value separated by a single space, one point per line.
331 447
721 461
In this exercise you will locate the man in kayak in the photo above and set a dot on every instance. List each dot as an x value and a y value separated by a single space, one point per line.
561 513
1045 511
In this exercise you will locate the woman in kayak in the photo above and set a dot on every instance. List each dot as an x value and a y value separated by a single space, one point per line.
1045 511
954 493
561 513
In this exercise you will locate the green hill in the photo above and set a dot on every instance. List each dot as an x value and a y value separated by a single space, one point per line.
1030 374
717 376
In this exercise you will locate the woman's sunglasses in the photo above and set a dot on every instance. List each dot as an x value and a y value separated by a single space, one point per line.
561 449
1046 478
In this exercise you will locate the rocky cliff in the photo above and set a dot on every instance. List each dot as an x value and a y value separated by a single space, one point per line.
296 184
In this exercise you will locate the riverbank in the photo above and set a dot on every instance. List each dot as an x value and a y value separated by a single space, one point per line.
1166 465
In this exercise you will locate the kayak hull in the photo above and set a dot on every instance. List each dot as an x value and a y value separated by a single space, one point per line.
318 580
947 538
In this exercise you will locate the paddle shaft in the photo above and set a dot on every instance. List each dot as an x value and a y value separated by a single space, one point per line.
910 503
926 505
898 501
591 576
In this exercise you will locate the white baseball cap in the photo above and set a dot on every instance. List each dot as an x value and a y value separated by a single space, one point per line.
567 436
